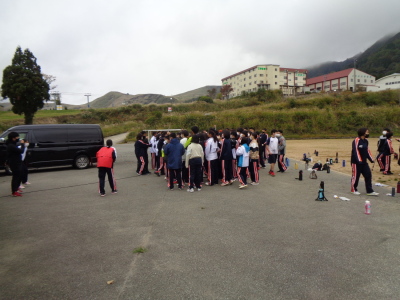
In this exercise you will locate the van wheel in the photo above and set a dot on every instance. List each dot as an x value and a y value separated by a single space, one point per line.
8 170
81 162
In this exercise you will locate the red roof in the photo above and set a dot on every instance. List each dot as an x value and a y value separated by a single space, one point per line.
331 76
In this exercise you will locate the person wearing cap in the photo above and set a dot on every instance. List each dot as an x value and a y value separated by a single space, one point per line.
105 160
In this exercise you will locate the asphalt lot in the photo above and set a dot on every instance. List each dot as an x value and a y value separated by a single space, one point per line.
61 240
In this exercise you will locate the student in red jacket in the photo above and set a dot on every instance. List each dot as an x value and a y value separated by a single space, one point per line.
105 160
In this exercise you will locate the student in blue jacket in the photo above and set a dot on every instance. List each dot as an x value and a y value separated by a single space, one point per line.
174 150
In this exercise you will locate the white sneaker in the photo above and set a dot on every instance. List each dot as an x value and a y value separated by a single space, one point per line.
21 187
26 183
254 183
373 194
190 190
356 193
242 186
199 189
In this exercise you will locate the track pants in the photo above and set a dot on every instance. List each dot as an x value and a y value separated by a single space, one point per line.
253 169
281 163
175 174
16 177
384 162
213 171
195 172
141 164
227 174
111 179
242 171
356 171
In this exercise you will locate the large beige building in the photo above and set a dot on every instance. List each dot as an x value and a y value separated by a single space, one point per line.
269 77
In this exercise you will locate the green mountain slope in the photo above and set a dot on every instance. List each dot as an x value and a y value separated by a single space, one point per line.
381 59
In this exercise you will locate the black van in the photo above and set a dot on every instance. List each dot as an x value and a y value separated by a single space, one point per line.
56 145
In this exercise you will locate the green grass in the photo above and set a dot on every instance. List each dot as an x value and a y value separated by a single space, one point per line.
312 116
9 115
139 250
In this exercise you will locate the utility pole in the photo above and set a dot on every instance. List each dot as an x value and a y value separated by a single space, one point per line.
88 95
56 98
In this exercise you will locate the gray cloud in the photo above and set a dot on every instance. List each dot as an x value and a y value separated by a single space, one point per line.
169 47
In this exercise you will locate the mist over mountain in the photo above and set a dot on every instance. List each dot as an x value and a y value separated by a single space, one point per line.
379 60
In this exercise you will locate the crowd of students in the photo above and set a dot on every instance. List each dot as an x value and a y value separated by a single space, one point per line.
222 156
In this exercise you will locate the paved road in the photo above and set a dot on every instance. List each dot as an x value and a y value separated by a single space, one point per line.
61 240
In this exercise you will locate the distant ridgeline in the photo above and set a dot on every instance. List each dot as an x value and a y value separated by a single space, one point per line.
379 60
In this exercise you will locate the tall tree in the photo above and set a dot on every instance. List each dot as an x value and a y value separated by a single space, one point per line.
212 93
24 85
225 90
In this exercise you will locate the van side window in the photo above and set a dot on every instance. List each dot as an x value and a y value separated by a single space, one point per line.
84 135
51 135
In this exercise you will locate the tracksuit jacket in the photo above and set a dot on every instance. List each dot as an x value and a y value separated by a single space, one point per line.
243 153
360 152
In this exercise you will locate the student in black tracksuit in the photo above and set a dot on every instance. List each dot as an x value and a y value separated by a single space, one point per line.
262 140
14 161
226 158
359 165
387 151
141 155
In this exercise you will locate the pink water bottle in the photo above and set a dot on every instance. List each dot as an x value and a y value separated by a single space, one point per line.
367 207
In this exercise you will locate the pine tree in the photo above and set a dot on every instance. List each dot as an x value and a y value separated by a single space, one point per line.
24 85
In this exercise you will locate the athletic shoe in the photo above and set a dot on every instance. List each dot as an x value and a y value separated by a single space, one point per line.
16 194
190 190
180 189
390 173
271 173
231 182
114 192
21 187
138 173
102 195
28 183
20 191
242 186
175 181
225 183
208 183
254 183
373 194
171 189
199 189
356 193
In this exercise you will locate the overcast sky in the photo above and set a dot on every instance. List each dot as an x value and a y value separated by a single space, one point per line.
170 47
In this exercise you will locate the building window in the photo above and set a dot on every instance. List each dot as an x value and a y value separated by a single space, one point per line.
365 80
358 80
255 82
342 83
261 75
290 79
276 76
249 77
255 75
326 87
372 81
244 85
276 69
284 77
276 83
244 79
352 80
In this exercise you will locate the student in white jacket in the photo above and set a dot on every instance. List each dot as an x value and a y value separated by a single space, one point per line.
211 151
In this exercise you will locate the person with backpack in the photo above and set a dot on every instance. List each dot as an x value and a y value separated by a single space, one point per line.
254 159
106 157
